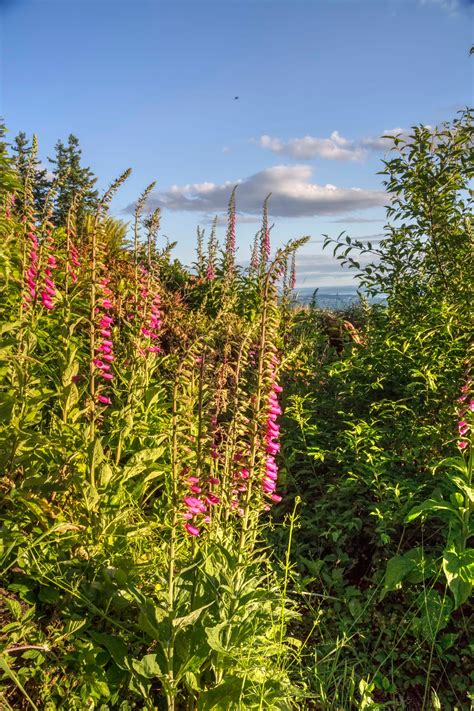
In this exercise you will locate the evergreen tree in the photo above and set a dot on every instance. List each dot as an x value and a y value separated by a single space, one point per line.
73 179
41 183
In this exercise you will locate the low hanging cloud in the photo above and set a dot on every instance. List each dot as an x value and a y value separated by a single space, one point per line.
293 195
452 7
352 219
336 147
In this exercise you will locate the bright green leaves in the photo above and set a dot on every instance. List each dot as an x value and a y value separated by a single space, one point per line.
431 506
459 571
412 567
458 560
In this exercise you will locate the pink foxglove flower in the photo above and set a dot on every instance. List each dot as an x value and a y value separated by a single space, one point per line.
192 530
272 435
48 291
210 272
31 275
150 317
104 354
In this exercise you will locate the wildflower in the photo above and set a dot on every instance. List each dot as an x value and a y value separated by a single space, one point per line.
272 434
104 400
151 318
31 274
104 349
192 530
49 288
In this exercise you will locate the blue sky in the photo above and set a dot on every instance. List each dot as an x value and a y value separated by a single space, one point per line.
150 84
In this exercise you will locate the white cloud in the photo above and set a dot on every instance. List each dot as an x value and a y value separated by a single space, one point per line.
382 143
222 219
336 147
452 7
352 219
293 195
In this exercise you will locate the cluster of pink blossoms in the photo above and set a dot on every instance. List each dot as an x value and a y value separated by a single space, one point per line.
48 291
210 272
150 316
271 438
31 275
104 354
467 406
198 502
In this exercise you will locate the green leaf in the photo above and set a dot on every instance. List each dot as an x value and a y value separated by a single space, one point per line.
224 697
148 666
397 568
141 461
459 571
430 505
214 640
186 620
154 620
115 646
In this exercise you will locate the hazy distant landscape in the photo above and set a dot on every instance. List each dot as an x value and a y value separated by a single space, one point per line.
330 297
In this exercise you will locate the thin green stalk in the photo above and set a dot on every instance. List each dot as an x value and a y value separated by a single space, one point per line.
172 548
286 575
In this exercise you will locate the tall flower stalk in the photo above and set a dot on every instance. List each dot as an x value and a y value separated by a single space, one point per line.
229 252
136 225
265 235
96 339
212 252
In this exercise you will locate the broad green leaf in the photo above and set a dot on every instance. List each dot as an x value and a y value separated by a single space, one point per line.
224 697
412 565
459 571
148 666
214 637
397 569
430 505
189 619
115 646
